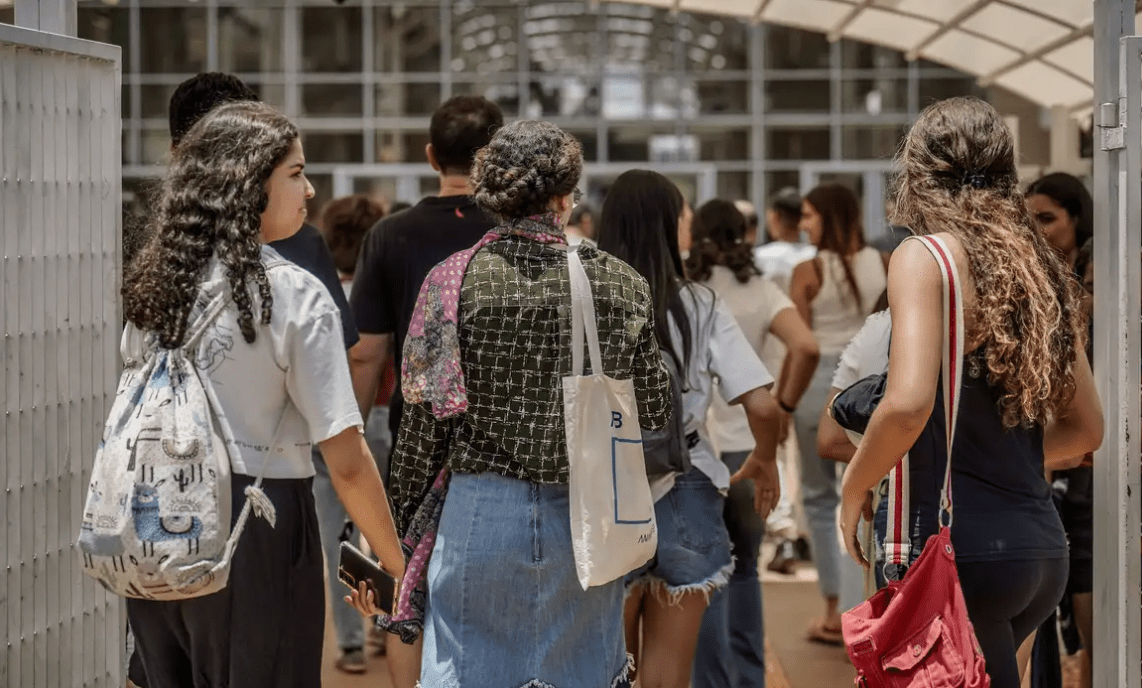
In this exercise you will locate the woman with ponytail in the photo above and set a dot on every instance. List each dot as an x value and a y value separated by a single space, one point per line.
721 259
834 292
1027 392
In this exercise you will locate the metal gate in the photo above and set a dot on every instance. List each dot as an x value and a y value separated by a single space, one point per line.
60 218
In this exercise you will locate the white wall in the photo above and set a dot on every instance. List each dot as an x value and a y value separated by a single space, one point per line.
59 314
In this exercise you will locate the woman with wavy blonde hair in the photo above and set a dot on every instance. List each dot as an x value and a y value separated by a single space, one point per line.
1027 393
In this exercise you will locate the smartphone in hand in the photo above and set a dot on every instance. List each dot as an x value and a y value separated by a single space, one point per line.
355 567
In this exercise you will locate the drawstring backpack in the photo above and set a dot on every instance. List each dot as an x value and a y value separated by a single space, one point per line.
156 523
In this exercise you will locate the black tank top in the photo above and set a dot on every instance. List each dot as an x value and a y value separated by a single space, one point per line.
1002 502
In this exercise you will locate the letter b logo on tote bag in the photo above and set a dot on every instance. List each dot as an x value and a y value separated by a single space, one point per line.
613 530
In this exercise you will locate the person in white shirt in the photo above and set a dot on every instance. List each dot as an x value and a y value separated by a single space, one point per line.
581 226
276 359
835 292
641 222
783 249
731 644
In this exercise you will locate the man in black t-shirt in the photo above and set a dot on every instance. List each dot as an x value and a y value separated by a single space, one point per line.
401 249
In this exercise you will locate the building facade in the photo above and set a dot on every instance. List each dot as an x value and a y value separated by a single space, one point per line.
724 107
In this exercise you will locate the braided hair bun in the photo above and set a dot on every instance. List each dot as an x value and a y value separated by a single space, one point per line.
525 165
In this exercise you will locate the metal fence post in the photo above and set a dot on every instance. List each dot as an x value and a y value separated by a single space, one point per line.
1118 249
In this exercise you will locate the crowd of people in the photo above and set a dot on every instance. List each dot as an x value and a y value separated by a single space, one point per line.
447 324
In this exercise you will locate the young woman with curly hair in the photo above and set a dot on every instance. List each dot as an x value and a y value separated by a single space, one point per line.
276 360
835 292
1027 394
504 604
731 645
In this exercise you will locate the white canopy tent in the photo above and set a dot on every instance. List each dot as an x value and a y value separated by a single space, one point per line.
1042 50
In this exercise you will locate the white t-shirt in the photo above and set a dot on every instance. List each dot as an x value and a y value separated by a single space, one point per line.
754 305
867 353
719 350
777 259
296 371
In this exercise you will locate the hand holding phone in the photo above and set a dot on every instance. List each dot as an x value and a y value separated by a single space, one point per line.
356 568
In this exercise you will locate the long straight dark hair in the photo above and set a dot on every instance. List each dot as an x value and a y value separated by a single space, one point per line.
841 229
639 225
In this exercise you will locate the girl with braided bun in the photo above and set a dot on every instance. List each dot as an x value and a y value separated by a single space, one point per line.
275 358
484 362
1027 392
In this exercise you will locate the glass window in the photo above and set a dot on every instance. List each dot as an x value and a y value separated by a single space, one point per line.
331 39
635 94
789 48
874 96
715 43
485 39
407 146
722 97
932 90
399 100
322 193
249 40
103 24
870 143
125 102
173 40
639 37
589 140
274 94
858 55
332 99
154 101
797 96
798 144
156 146
632 143
346 147
502 93
780 179
734 185
727 144
7 15
406 39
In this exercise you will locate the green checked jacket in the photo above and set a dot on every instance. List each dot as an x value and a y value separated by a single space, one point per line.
515 344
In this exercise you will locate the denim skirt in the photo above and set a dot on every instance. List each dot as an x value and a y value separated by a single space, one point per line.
505 608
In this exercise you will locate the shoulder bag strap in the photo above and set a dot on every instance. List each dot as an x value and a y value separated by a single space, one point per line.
582 318
953 359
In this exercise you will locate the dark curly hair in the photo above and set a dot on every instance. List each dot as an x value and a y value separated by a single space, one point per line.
718 235
344 223
957 175
526 165
210 203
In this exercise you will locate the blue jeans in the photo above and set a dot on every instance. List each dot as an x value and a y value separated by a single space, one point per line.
731 643
331 520
837 574
505 608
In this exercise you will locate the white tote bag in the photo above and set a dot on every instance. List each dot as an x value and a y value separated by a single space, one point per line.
612 513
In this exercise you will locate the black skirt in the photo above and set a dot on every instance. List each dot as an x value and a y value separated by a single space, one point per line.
265 629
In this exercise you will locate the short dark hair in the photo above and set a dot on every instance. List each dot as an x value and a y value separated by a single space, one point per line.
344 223
199 95
459 128
786 203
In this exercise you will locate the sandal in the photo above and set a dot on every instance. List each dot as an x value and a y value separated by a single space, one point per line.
820 633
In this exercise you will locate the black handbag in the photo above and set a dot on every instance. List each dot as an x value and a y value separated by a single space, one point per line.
853 407
667 450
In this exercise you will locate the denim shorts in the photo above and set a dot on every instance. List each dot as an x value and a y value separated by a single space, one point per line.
505 608
694 552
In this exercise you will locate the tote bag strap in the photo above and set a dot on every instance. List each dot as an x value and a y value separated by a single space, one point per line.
897 543
952 373
582 318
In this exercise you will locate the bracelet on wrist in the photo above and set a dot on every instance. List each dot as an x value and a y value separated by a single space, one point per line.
786 407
